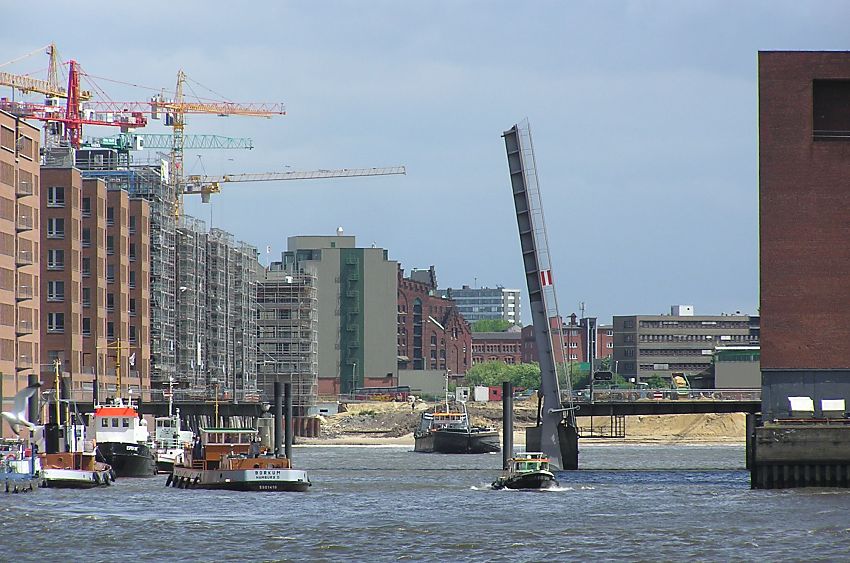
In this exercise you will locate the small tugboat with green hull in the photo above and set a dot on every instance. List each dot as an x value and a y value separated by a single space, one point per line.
527 471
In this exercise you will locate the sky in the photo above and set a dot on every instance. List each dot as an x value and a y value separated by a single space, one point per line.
643 116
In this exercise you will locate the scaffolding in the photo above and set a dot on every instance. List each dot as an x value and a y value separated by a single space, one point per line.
150 182
191 283
288 334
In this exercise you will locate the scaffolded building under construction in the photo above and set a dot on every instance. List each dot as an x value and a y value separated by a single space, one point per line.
288 332
217 312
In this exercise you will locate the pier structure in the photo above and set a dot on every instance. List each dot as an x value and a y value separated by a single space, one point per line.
802 437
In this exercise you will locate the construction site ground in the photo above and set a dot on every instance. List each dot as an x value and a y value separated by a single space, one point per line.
393 423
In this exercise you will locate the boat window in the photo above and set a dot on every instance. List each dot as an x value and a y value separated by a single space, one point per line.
104 422
114 423
125 422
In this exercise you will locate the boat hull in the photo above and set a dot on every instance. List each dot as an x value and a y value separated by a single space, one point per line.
75 478
240 479
127 460
530 481
449 442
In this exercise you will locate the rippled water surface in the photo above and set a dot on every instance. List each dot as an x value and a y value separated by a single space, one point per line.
635 502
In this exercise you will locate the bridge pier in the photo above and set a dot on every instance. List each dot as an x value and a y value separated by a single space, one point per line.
799 454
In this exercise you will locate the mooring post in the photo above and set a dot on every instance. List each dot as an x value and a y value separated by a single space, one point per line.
278 418
289 432
507 423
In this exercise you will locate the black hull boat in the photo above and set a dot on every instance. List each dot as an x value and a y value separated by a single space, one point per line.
471 441
447 430
127 460
528 471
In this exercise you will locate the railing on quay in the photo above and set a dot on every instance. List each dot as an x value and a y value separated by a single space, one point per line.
644 395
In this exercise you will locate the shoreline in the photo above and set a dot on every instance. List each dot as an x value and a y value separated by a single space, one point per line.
519 440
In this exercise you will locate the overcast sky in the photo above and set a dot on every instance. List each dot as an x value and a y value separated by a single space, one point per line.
643 114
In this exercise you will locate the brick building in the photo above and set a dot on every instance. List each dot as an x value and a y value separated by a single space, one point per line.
95 287
432 334
497 346
575 348
20 264
804 168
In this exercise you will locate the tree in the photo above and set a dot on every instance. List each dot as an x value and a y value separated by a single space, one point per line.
490 325
494 373
658 382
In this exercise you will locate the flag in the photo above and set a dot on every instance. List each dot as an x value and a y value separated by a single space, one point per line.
545 277
132 359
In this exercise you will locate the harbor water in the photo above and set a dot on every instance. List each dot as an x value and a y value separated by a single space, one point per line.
635 502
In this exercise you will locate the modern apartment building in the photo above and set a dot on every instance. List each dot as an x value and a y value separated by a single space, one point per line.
288 334
661 345
477 304
804 260
432 334
358 309
20 257
88 321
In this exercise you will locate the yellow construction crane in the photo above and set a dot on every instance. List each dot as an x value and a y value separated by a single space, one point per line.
207 185
50 87
176 111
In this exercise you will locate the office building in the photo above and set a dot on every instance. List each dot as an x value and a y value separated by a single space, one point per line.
357 293
477 304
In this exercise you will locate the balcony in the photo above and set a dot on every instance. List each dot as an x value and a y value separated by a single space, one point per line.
24 223
24 258
24 327
25 292
56 266
25 188
24 362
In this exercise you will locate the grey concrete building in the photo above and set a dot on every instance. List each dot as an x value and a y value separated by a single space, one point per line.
477 304
661 345
357 309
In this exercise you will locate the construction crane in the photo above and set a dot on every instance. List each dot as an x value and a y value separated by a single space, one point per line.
138 141
28 84
208 185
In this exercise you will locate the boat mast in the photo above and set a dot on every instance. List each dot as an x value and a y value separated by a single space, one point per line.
56 389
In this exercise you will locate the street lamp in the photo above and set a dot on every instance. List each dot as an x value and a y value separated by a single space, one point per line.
353 377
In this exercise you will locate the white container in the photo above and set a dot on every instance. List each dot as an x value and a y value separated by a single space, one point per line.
482 394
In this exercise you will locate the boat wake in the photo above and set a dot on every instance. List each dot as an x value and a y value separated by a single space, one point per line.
558 489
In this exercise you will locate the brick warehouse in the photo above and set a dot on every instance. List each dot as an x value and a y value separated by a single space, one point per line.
804 163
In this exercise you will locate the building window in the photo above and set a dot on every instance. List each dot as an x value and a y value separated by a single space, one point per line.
110 216
609 345
133 307
132 334
86 326
110 244
56 323
573 356
86 237
573 344
55 196
110 329
110 273
609 333
55 259
132 224
830 99
55 291
132 252
86 207
132 279
86 267
86 297
110 302
56 228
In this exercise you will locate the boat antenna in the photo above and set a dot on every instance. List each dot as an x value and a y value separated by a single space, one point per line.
56 388
447 389
170 394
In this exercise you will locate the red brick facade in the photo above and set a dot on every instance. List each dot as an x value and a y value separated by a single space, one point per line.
575 343
804 164
432 334
497 347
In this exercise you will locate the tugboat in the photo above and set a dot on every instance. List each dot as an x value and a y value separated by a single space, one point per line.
527 471
18 469
447 430
73 464
123 440
231 459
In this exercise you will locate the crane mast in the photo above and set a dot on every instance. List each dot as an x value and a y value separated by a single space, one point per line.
556 430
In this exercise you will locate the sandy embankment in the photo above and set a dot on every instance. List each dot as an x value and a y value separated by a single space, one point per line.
392 424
